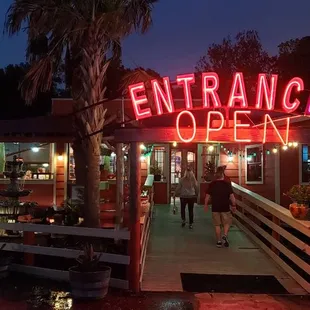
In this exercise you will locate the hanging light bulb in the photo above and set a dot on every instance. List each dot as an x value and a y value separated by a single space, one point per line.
174 144
274 150
284 147
290 144
210 148
295 144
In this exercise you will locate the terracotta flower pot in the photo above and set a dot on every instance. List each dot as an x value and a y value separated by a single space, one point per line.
299 211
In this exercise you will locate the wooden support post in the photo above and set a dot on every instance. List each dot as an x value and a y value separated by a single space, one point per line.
135 196
29 239
119 185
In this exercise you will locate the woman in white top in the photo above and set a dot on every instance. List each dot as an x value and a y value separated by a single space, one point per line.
187 190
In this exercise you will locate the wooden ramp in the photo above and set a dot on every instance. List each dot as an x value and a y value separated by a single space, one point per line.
173 250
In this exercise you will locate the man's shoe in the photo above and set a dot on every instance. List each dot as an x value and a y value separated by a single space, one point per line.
225 241
183 224
219 244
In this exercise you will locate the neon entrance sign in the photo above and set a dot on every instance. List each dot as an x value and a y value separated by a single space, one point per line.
264 100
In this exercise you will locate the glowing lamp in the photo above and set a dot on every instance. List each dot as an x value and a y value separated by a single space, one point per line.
290 144
230 158
295 144
142 147
274 150
284 147
45 165
174 144
35 149
211 148
60 157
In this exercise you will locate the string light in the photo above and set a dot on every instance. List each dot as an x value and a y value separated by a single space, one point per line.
284 147
274 150
174 144
295 144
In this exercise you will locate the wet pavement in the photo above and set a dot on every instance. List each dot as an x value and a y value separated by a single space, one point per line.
21 292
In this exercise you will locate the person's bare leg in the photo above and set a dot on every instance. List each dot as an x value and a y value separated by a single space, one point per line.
226 229
218 232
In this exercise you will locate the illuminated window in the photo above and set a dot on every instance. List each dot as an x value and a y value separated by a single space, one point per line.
254 164
305 163
107 162
37 159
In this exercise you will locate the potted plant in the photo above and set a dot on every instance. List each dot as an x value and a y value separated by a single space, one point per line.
5 261
89 279
209 171
300 196
156 171
72 211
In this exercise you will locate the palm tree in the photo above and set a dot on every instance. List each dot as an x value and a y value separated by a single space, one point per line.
80 34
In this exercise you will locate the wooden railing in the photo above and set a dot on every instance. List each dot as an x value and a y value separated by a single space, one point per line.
285 239
146 226
64 252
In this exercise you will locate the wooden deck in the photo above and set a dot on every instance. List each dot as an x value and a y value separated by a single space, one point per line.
173 250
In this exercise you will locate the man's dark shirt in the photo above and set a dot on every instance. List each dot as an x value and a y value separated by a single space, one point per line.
220 190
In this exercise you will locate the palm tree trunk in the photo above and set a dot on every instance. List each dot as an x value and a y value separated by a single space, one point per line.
91 209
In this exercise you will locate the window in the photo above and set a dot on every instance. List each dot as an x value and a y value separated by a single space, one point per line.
36 157
254 164
158 160
210 161
107 162
305 163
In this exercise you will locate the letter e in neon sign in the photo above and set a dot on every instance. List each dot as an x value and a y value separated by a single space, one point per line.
210 85
137 101
236 125
237 92
288 106
193 123
162 96
209 129
186 80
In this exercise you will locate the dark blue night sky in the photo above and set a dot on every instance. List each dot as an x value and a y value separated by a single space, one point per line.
183 30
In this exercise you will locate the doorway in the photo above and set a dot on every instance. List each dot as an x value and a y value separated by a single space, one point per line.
180 159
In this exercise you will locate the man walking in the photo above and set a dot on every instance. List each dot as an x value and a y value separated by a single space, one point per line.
222 197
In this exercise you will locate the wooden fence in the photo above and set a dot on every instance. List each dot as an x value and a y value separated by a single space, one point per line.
284 238
64 252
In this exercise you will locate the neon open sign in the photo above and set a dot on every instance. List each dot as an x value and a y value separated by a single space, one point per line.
265 100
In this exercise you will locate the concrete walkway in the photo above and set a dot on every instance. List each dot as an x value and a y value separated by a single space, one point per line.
173 250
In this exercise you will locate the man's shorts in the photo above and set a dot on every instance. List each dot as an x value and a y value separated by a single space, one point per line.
222 218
